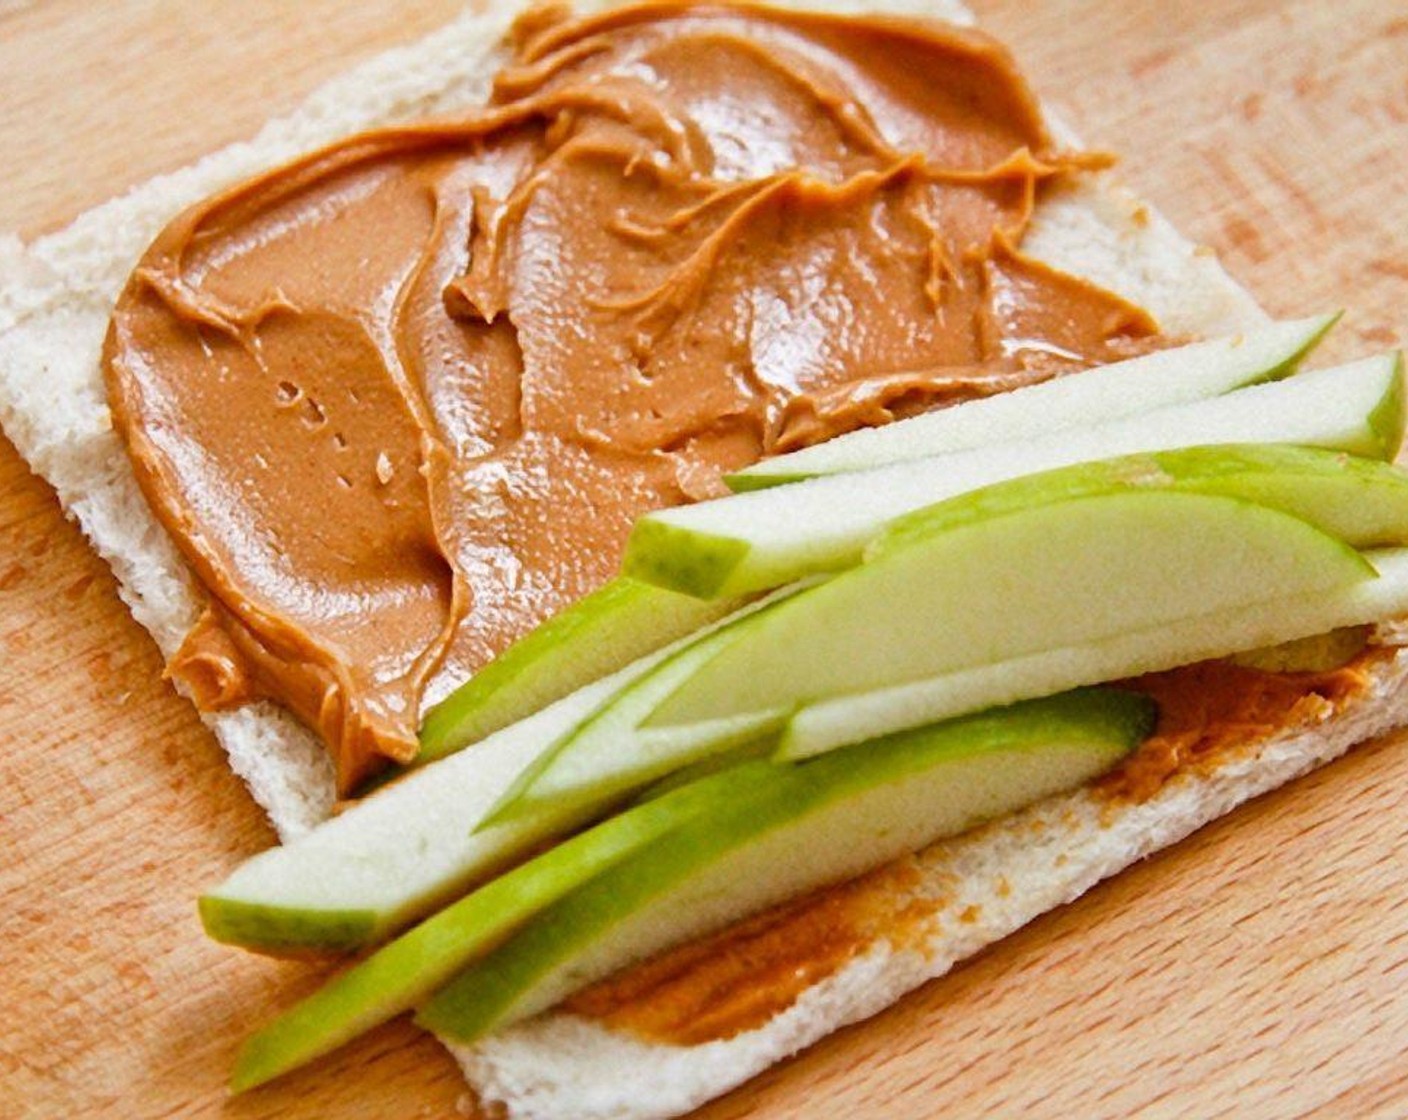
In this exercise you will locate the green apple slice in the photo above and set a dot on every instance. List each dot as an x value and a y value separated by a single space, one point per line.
1061 573
847 720
776 839
1167 377
620 622
398 853
1363 502
772 537
403 973
603 759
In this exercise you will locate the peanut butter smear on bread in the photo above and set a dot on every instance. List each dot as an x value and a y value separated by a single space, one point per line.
399 401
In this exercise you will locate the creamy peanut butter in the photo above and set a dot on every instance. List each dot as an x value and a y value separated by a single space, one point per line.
400 400
1212 707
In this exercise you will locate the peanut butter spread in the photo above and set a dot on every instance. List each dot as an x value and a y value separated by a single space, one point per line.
400 400
739 978
1212 707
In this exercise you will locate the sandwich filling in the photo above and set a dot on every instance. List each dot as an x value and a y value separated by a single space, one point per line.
400 401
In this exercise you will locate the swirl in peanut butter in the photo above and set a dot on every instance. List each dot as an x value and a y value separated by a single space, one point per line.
400 400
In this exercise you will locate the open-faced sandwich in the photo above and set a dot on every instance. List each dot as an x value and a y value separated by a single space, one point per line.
693 519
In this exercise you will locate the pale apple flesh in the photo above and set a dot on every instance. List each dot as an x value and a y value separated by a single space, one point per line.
1194 372
777 839
753 541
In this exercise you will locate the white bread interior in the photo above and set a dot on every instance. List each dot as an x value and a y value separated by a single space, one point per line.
55 295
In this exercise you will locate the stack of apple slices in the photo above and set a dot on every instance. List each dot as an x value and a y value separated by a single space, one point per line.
945 597
694 858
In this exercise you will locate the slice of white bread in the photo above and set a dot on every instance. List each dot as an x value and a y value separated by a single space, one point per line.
54 300
55 296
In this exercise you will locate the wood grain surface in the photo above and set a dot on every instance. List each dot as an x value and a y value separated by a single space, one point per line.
1259 969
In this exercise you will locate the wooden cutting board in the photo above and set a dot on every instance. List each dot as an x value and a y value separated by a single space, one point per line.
1260 968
